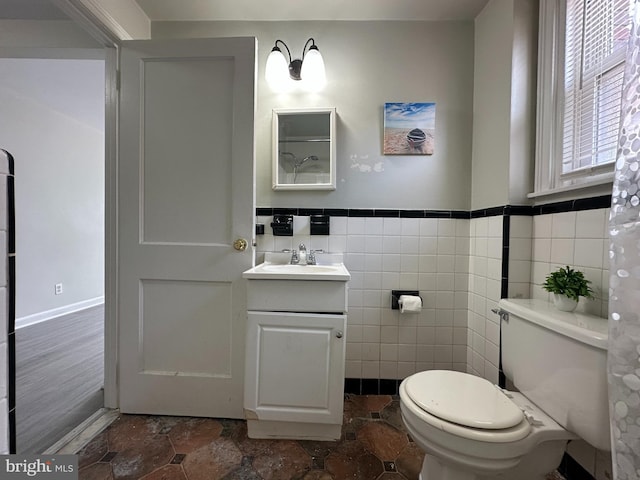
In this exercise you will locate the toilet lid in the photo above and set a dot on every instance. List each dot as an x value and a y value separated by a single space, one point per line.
463 399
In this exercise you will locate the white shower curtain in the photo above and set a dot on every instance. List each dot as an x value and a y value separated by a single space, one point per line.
624 286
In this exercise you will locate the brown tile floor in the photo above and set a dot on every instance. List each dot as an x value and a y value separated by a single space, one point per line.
374 446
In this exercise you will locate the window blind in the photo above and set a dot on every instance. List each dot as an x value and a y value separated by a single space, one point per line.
597 32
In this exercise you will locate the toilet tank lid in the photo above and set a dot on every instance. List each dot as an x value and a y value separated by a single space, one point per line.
582 327
464 399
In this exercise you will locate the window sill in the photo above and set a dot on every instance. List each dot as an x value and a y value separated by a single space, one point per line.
601 186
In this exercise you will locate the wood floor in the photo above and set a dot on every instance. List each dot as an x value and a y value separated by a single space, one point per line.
59 377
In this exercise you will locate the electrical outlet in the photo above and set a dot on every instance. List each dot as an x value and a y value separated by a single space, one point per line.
58 288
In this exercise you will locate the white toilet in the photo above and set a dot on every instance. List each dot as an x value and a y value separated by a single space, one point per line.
471 429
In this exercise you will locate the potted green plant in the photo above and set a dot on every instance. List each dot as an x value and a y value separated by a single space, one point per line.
567 286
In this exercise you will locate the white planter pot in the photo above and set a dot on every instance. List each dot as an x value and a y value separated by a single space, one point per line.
564 303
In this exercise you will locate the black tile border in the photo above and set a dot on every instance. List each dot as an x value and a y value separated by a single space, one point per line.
591 203
11 394
11 305
572 470
11 214
12 431
412 213
352 386
336 212
460 214
365 212
307 212
264 212
361 212
11 294
389 387
285 211
506 233
386 213
371 386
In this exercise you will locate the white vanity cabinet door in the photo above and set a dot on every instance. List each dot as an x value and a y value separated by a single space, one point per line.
295 367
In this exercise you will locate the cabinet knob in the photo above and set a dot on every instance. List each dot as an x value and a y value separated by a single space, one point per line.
339 334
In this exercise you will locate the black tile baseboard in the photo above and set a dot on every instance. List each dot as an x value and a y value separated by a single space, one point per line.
371 386
572 470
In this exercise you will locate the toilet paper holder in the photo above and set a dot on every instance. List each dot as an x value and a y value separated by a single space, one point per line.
395 296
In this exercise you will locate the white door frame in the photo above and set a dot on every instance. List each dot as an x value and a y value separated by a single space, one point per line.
108 33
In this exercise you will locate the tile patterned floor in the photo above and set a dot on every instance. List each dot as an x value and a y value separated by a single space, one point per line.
374 446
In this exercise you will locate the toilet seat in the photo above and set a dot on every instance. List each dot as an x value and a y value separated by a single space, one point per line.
466 406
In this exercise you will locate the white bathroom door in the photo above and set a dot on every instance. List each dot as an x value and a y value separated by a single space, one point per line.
185 197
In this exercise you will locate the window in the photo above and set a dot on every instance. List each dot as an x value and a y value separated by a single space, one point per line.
582 53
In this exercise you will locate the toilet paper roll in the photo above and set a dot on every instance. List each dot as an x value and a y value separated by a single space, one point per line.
409 304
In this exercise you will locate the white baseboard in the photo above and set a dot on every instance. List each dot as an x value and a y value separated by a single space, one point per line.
57 312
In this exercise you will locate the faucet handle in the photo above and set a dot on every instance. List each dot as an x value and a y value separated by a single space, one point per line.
311 257
294 257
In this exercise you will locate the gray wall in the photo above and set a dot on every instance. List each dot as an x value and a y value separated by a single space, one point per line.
492 104
368 64
59 165
504 103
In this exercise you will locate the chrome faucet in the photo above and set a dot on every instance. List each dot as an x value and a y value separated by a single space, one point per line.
303 254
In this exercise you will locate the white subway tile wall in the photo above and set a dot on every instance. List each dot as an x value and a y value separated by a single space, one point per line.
382 254
578 239
485 275
456 265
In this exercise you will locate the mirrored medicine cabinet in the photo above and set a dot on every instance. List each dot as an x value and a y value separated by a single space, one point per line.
304 149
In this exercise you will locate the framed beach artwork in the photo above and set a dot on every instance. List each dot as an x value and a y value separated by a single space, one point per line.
409 128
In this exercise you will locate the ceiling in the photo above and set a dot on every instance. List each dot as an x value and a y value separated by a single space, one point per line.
273 10
270 10
30 10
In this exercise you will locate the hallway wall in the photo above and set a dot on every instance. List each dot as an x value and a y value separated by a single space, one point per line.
57 138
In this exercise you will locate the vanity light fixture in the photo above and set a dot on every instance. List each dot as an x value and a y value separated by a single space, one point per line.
309 70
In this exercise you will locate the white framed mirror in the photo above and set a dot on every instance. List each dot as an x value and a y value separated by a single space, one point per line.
304 149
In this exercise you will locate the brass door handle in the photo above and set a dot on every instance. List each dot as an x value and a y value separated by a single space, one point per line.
240 244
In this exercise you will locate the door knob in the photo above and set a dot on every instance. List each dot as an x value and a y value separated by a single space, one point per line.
240 244
338 334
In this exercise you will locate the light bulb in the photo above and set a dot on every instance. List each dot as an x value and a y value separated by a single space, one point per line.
277 71
313 74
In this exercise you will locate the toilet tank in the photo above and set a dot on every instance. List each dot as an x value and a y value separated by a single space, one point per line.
558 360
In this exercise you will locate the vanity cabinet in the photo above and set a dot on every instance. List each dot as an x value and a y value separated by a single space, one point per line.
298 366
294 376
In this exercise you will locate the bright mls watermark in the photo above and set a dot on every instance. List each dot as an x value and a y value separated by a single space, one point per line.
52 467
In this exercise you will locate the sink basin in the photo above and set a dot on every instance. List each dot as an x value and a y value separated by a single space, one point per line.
285 271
